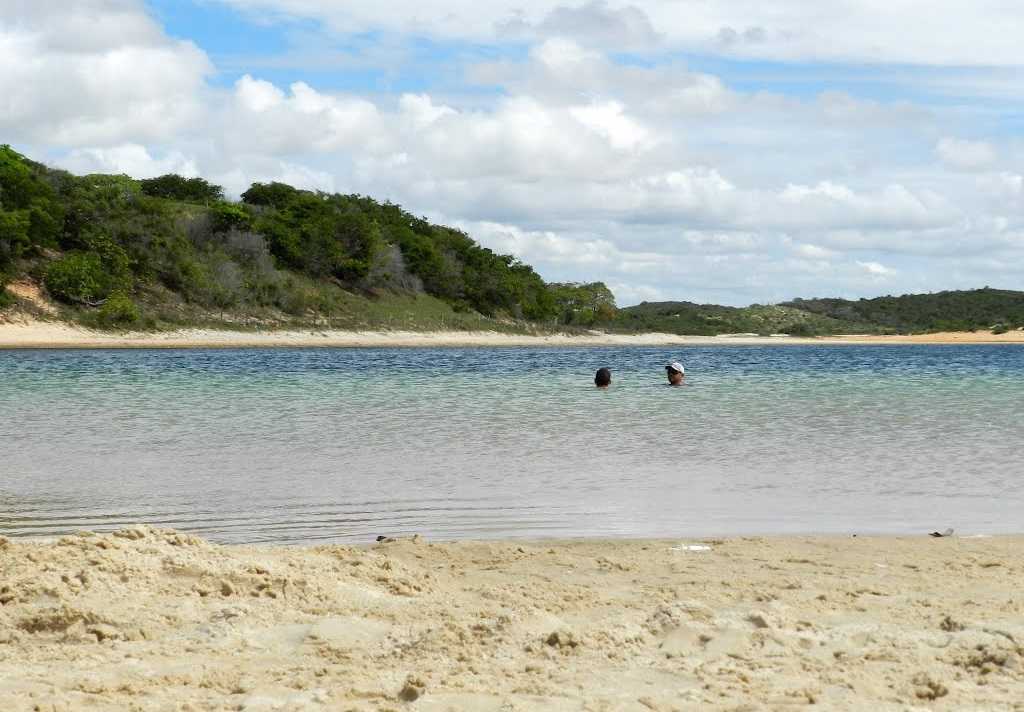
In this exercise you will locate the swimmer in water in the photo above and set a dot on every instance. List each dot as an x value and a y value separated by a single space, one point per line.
676 373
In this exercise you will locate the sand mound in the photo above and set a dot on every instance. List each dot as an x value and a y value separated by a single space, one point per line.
150 619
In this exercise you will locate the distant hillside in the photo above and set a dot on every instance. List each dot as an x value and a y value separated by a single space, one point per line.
942 311
112 251
711 319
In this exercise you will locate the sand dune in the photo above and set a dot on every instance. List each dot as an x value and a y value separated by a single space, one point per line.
28 333
159 620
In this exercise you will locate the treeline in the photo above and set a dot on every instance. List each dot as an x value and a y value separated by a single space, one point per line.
713 319
101 243
122 252
987 308
973 310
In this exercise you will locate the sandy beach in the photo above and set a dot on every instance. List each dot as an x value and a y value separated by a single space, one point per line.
148 619
25 333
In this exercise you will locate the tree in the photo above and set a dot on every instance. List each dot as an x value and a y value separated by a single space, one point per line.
80 277
583 304
14 225
118 233
227 216
30 214
175 187
323 236
273 195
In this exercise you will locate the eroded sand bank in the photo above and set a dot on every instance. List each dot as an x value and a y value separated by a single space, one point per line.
158 620
52 334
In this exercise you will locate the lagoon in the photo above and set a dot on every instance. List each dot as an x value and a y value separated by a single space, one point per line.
321 445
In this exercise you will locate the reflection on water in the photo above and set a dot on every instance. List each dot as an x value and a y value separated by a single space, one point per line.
309 445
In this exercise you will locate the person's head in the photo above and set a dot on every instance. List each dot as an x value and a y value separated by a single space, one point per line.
675 373
603 377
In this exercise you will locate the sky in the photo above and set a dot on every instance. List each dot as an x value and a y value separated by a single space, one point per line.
724 151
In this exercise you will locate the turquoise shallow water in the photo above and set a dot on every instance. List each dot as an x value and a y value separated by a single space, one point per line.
293 446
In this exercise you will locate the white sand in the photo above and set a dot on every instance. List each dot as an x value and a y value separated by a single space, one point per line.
158 620
26 333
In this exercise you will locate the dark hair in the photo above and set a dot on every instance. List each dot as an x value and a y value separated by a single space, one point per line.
603 377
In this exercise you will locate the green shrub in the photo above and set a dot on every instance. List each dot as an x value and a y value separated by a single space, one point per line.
14 227
583 304
226 216
176 187
118 310
274 195
6 298
1000 329
80 277
799 329
109 190
29 210
45 222
940 311
298 300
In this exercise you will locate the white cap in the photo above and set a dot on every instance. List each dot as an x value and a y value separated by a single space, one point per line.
676 366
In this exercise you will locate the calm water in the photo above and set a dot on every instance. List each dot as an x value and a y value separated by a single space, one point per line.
311 445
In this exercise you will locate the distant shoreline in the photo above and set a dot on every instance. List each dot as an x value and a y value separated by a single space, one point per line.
56 335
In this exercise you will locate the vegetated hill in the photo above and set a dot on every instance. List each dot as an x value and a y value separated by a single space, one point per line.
943 311
113 251
711 319
116 252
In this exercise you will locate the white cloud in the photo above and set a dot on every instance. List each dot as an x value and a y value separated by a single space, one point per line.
595 22
813 252
608 120
662 181
257 95
544 245
421 111
1004 199
95 72
723 242
559 71
564 56
636 293
842 107
875 269
945 32
130 159
836 205
966 155
265 170
263 118
1012 184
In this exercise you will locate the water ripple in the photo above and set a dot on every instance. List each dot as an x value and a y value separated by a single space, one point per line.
295 446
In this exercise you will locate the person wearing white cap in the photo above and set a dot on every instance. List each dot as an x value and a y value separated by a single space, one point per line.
676 373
